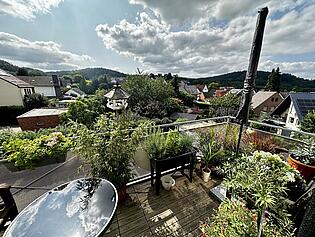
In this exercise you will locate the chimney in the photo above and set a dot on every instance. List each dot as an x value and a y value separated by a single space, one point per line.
56 83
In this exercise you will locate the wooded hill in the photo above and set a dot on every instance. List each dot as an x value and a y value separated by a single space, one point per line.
289 82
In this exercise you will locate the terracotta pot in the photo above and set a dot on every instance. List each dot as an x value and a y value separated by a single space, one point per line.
307 171
122 194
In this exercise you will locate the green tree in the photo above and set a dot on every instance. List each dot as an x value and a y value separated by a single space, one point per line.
35 100
308 123
83 84
86 110
213 86
22 72
148 97
175 84
273 82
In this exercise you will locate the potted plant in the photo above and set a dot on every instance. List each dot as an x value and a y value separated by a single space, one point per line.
210 148
209 152
302 158
167 151
107 149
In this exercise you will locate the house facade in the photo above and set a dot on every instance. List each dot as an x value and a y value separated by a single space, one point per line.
48 86
293 109
266 101
12 90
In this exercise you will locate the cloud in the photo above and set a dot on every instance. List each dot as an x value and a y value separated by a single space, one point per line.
45 55
207 47
27 9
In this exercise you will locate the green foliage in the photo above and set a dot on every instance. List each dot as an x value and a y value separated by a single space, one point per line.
273 82
233 219
148 97
86 110
25 149
305 152
213 86
210 147
262 178
35 100
10 112
253 141
22 72
223 106
13 69
187 99
236 79
160 145
308 122
107 147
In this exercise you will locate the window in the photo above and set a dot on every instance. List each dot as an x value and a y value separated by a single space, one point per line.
276 99
28 91
291 120
272 99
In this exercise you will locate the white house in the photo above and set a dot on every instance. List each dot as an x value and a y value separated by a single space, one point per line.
75 92
12 90
48 86
294 107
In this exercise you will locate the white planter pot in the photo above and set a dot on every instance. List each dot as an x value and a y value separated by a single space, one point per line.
206 175
167 182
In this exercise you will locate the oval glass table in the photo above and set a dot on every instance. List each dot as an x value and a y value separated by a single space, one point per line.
80 208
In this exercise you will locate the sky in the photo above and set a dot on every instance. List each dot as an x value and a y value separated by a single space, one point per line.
189 38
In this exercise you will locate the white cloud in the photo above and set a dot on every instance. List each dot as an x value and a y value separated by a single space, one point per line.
45 55
27 9
207 48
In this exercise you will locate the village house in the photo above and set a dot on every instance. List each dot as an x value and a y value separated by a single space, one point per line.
48 86
75 93
200 92
293 109
222 91
266 101
12 90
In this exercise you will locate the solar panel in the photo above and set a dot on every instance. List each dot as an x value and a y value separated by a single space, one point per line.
306 105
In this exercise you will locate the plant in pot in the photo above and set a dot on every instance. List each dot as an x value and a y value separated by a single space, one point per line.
302 158
211 149
168 150
107 149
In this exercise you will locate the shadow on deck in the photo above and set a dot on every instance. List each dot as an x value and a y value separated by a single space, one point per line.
173 213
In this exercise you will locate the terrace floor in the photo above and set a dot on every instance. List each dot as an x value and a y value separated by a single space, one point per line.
173 213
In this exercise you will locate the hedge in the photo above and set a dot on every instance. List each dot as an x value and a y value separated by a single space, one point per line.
8 114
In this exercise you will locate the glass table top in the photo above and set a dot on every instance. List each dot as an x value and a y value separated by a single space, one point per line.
82 207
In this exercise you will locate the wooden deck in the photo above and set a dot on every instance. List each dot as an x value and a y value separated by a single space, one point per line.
173 213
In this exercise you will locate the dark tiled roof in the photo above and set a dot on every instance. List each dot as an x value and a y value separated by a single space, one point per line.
117 93
303 103
14 80
38 80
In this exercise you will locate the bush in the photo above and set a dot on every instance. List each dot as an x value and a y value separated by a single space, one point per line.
9 114
233 219
35 100
24 152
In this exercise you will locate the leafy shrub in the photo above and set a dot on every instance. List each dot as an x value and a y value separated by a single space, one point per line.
35 100
233 219
23 152
305 152
85 110
160 145
254 141
107 148
262 180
